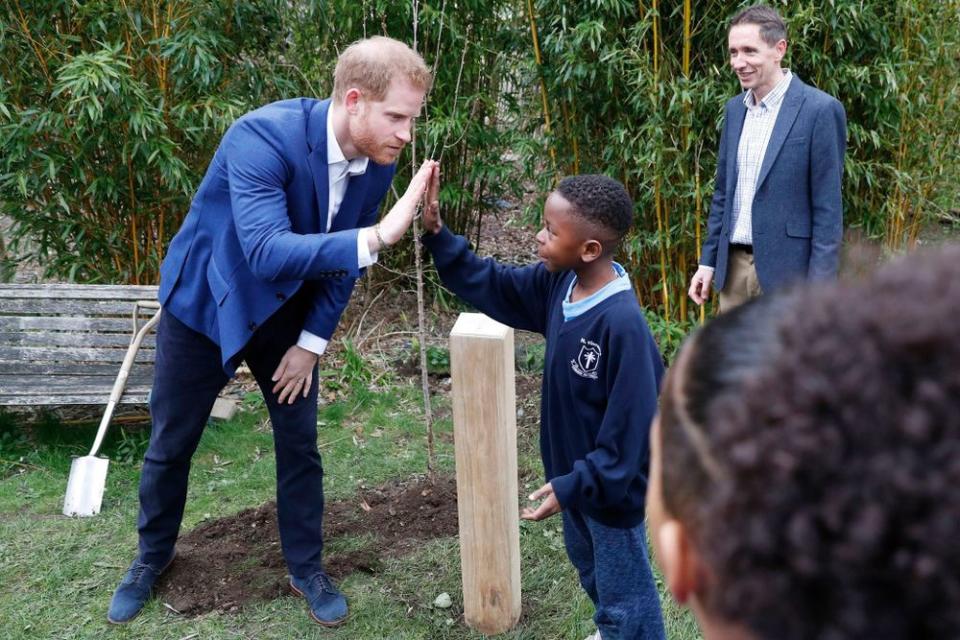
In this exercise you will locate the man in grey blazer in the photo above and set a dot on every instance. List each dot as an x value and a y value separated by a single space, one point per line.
776 215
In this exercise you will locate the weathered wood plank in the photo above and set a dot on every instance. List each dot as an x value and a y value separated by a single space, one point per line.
63 344
78 292
67 307
73 339
77 354
72 323
24 401
38 385
93 370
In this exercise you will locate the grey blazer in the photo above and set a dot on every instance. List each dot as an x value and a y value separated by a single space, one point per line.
797 216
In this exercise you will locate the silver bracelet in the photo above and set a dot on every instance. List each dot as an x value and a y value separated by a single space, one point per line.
376 230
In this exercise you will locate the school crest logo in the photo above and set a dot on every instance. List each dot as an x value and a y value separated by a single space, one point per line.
587 361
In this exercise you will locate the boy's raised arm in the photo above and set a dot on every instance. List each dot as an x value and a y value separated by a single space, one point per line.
515 296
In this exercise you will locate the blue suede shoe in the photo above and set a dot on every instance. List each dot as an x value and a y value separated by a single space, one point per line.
327 605
134 591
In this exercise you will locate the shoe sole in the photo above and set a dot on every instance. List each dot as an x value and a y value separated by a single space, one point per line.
322 623
134 616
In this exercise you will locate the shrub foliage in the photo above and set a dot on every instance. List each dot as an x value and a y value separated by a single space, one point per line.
109 111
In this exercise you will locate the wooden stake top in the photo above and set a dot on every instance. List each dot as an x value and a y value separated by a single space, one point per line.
478 325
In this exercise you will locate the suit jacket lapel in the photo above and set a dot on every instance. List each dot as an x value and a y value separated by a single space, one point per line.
317 140
785 119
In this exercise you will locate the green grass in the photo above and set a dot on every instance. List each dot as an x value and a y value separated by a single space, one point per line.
57 574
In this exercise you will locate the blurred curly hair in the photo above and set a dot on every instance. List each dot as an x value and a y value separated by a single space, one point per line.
811 446
600 201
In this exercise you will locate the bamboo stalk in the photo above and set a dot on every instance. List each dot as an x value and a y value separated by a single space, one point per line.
134 239
34 45
665 287
698 217
572 135
667 249
656 38
685 137
680 296
657 191
543 85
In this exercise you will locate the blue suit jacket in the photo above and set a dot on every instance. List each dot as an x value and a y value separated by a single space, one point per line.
797 218
255 232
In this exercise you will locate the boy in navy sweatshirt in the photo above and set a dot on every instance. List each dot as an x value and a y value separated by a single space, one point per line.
600 383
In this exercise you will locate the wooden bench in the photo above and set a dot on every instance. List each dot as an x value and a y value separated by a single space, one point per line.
63 344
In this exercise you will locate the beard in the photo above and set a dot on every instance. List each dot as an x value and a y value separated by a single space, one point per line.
368 145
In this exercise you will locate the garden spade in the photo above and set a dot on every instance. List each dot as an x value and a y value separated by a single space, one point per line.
88 474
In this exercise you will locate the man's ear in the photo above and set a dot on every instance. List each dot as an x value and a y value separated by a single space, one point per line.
781 48
679 561
591 250
351 100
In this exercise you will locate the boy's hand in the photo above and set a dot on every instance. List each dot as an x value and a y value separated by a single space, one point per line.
400 217
550 506
431 201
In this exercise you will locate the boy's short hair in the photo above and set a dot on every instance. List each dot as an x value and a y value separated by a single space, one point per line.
600 201
772 27
371 64
811 446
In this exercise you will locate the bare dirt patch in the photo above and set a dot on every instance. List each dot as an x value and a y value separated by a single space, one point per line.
225 564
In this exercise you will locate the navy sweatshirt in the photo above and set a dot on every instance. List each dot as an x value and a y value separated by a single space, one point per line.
600 381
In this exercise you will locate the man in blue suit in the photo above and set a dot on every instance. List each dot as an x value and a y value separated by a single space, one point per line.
283 223
776 215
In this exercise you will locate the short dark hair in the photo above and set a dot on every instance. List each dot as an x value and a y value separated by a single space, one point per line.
599 200
811 446
772 27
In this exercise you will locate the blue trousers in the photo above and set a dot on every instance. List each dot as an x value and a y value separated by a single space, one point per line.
615 572
188 377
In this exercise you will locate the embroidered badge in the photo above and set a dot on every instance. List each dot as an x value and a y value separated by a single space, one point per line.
587 360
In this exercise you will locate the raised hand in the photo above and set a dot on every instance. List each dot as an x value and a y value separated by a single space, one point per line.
431 204
400 217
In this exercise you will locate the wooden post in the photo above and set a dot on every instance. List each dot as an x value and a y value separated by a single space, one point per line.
485 437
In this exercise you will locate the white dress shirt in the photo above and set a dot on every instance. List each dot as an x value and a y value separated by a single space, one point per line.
758 124
339 171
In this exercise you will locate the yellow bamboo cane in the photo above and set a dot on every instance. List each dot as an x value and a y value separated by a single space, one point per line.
665 288
543 85
572 135
656 37
685 136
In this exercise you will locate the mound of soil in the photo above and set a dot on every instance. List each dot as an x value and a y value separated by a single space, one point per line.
225 564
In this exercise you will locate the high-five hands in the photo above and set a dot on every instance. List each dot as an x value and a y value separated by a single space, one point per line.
393 225
545 509
431 204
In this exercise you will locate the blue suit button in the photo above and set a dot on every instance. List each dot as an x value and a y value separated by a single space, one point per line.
252 326
281 296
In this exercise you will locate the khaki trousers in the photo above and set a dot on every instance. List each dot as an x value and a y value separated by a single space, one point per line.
742 283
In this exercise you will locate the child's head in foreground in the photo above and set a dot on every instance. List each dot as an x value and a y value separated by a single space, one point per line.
584 219
805 478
